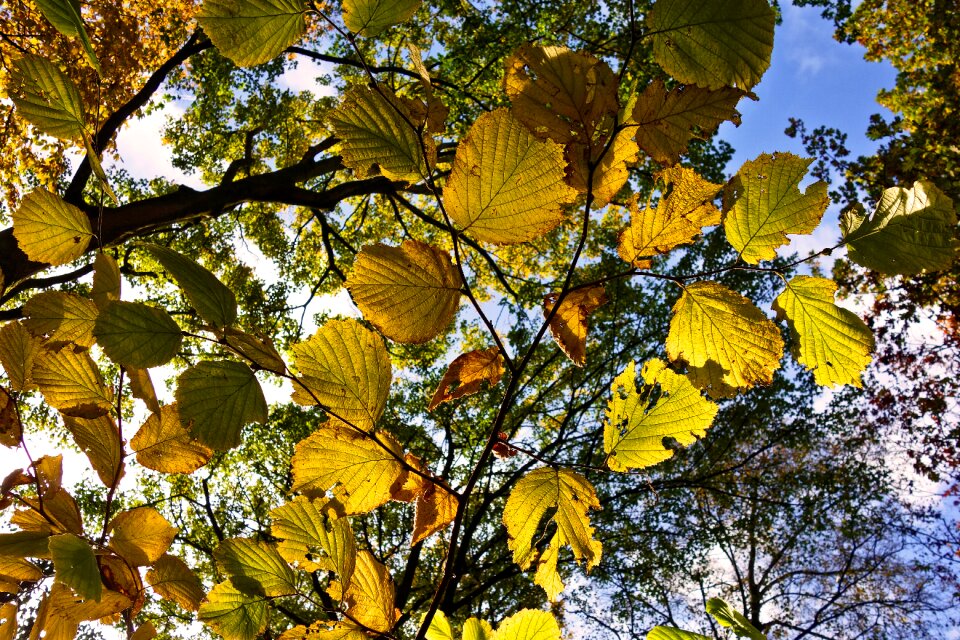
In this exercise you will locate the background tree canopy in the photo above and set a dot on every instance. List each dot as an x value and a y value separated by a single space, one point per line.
561 403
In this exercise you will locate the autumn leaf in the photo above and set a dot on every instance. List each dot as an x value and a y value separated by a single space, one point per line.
61 612
370 17
64 15
11 429
636 424
106 280
18 352
370 596
47 98
259 350
141 386
137 335
528 624
251 32
141 535
833 343
217 398
410 293
233 614
569 324
61 317
164 444
50 230
672 633
99 439
173 580
610 170
314 527
71 382
255 568
467 373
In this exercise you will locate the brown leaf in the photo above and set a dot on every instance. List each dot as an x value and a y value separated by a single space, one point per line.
10 428
436 508
569 323
467 373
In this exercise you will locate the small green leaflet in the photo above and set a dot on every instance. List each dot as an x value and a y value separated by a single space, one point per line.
728 617
830 341
76 565
255 568
233 614
251 32
211 298
137 335
50 230
218 397
634 430
371 17
912 230
713 44
64 15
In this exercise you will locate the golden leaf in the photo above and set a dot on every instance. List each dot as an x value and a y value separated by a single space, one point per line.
141 535
467 373
569 324
164 444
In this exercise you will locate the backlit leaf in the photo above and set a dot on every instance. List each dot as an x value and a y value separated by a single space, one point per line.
60 514
376 127
569 324
61 317
313 526
528 624
137 335
345 368
667 120
141 535
439 628
358 469
467 373
11 430
99 438
912 230
49 230
211 298
325 630
233 614
713 44
725 341
435 509
729 617
64 15
764 203
259 350
217 398
18 352
634 430
76 565
255 568
506 186
410 293
106 280
61 612
164 444
371 17
71 382
830 341
672 633
252 32
46 98
145 631
8 621
685 208
610 171
370 596
19 569
173 580
476 629
533 496
25 544
141 386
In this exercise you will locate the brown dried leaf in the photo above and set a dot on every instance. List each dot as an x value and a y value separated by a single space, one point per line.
467 373
569 323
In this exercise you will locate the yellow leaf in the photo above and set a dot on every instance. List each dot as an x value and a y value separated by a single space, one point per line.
325 630
370 596
141 386
260 351
345 368
377 127
234 615
467 373
725 341
99 438
71 382
506 186
634 429
684 210
370 17
528 624
106 280
19 570
18 351
173 580
61 317
8 621
141 535
533 496
25 544
251 32
610 170
60 514
10 428
164 444
830 341
477 629
61 612
665 121
119 576
439 628
569 324
49 230
145 631
359 468
410 293
255 568
764 204
49 472
436 508
314 527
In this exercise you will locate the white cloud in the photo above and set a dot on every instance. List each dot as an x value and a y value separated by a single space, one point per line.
304 77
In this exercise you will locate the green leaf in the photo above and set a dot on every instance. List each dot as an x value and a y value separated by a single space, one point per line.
764 203
370 17
672 633
528 624
211 298
314 527
724 340
76 565
728 617
71 382
137 335
106 280
376 127
46 98
18 351
506 186
99 439
830 341
345 368
49 230
532 497
219 397
255 568
251 32
912 230
61 317
233 614
64 15
141 535
713 44
410 293
634 429
25 544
